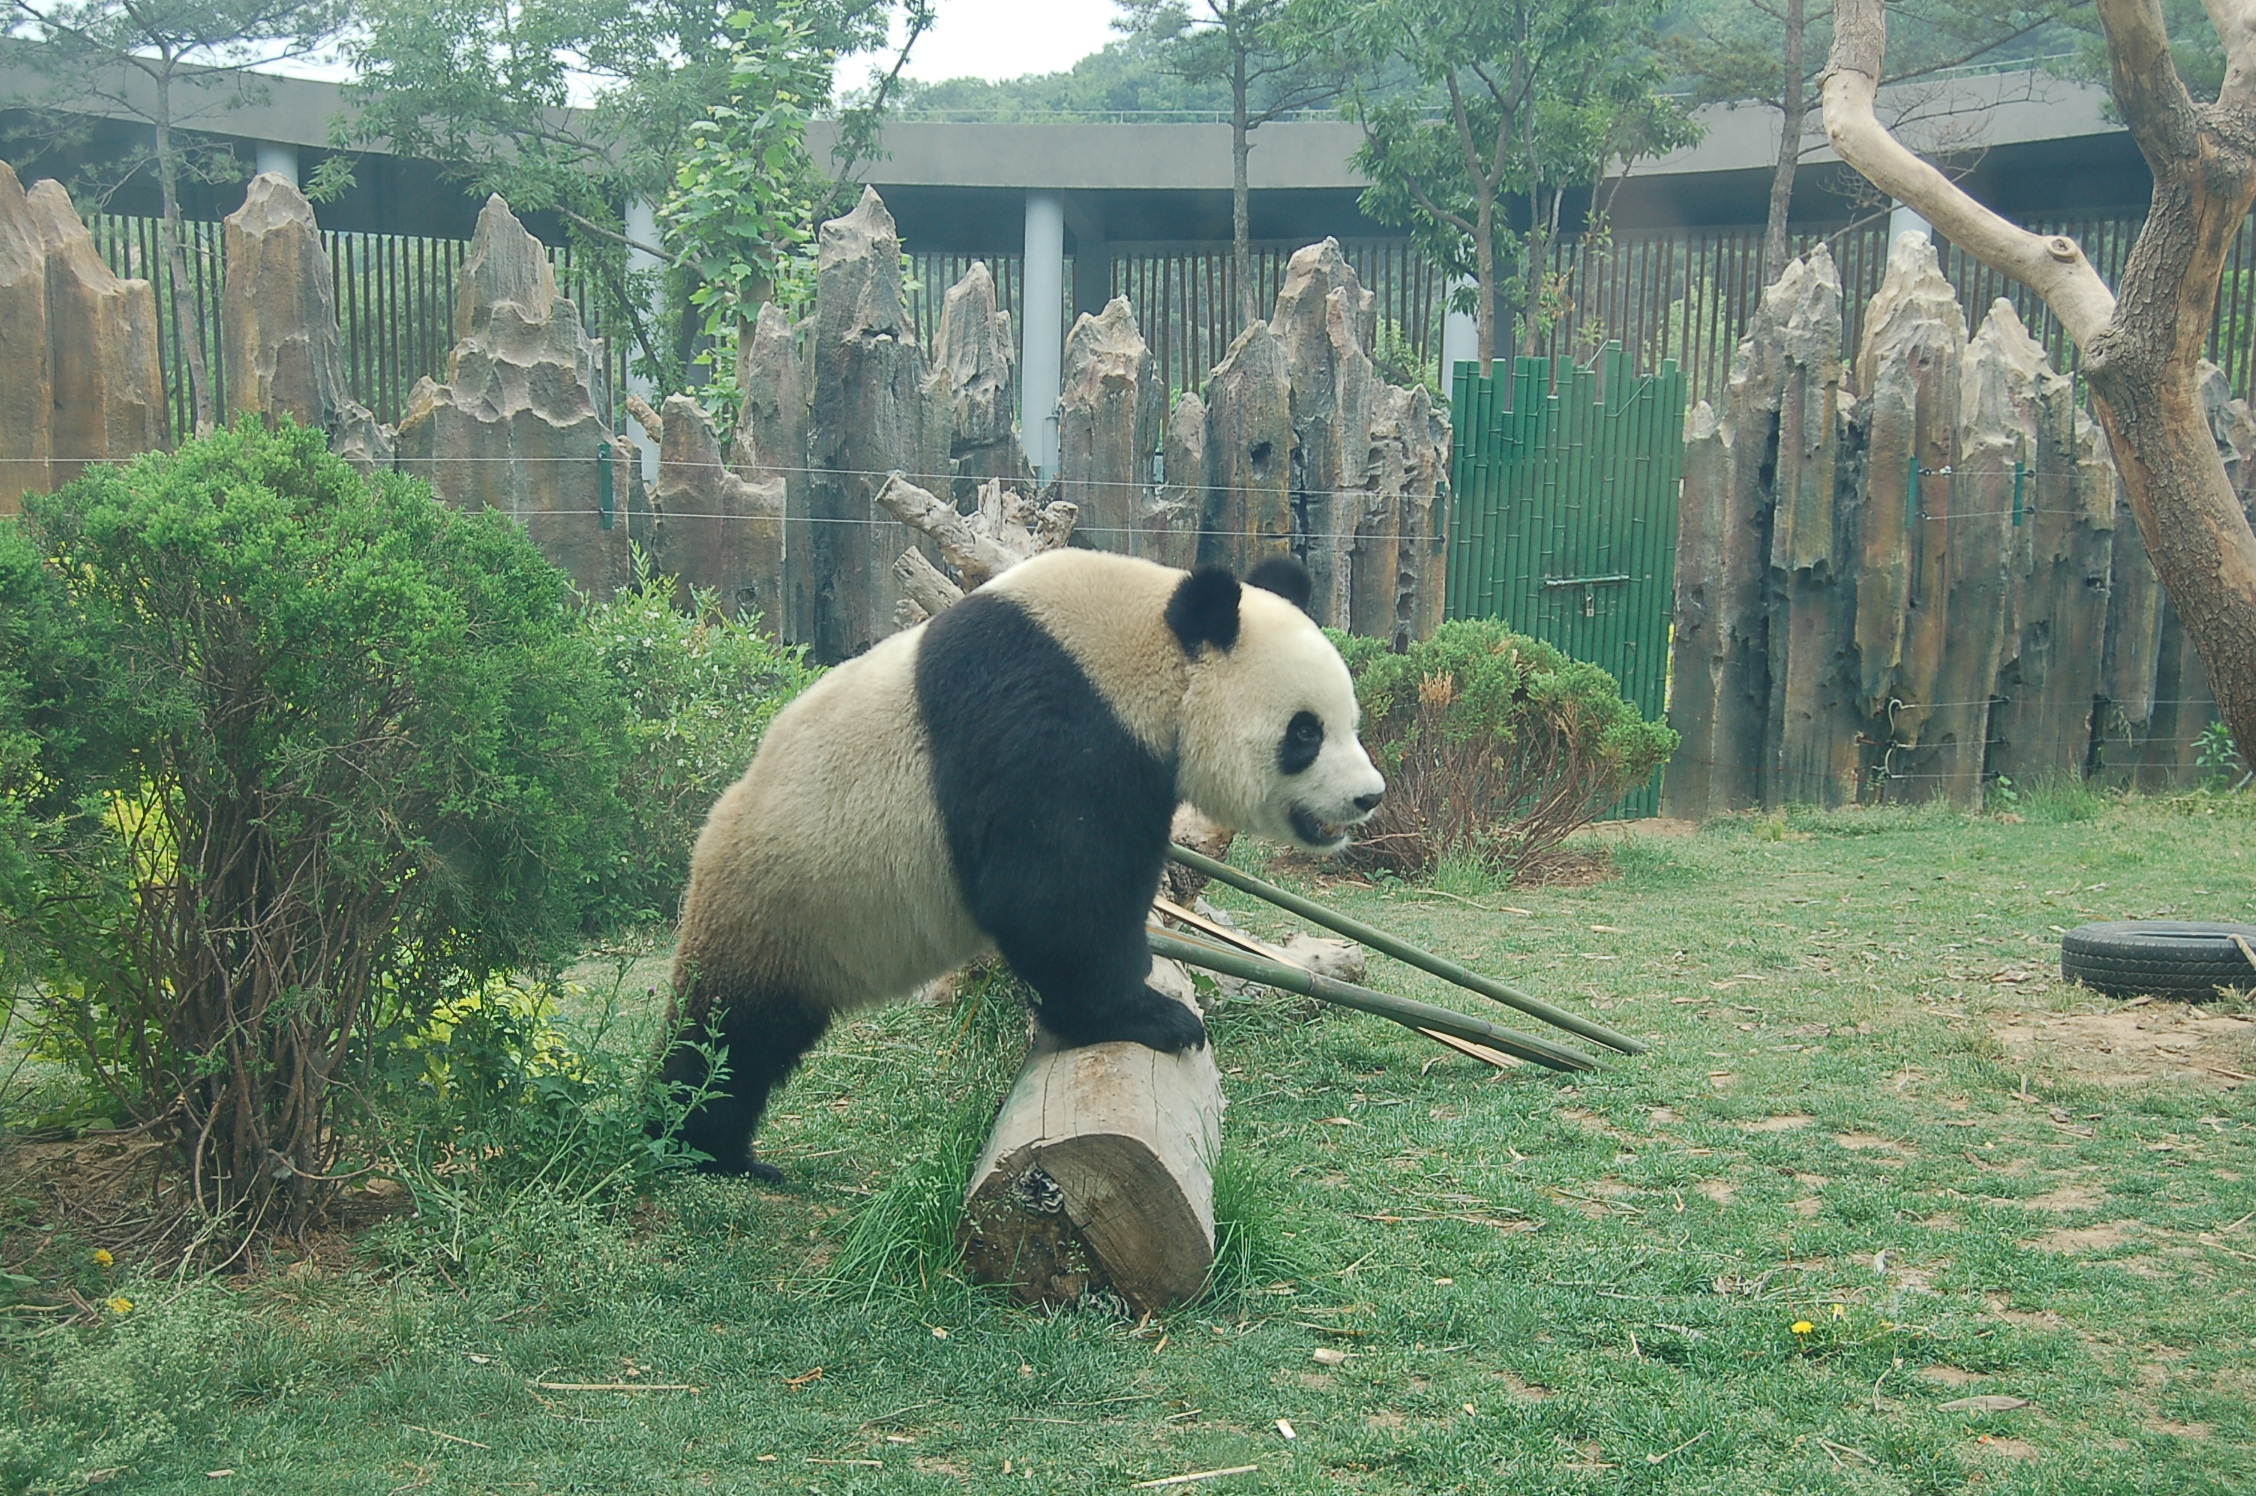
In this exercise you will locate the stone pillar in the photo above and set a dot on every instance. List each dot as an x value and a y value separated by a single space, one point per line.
721 532
1109 419
770 454
971 385
1041 324
278 312
27 396
870 417
1325 321
519 424
1249 438
105 382
1168 532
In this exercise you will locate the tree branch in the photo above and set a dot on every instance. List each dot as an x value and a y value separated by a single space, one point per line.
2152 98
2053 266
597 229
2235 24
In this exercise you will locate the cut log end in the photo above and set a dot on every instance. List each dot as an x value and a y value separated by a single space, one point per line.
1098 1175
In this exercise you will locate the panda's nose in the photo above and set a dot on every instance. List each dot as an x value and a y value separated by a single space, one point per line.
1370 802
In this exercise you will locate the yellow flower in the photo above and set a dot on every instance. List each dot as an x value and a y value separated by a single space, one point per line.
1803 1327
119 1305
102 1257
1840 1311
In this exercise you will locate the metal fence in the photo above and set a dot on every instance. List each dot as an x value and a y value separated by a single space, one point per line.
1684 296
395 307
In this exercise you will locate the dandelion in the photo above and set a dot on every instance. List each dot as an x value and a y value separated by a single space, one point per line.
118 1305
1803 1327
102 1257
1840 1311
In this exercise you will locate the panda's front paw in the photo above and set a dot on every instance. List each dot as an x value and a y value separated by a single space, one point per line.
1169 1027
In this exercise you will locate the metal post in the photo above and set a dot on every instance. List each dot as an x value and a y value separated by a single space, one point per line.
1042 331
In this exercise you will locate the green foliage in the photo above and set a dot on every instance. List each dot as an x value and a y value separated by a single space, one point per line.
2222 767
481 84
502 1106
1496 747
1525 102
743 198
346 752
700 688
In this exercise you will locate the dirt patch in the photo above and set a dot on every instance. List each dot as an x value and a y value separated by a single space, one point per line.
1951 1376
1656 826
2137 1044
1867 1142
2179 1430
2066 1198
1524 1390
2101 1238
2007 1449
925 1465
1718 1190
1807 1207
1777 1124
1386 1419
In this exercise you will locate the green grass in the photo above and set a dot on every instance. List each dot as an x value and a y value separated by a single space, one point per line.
1541 1283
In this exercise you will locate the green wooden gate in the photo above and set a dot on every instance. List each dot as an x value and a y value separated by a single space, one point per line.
1563 520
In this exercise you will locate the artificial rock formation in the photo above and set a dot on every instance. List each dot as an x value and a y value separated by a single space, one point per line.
278 325
1249 439
1167 532
872 416
79 377
770 449
717 530
1325 322
518 424
1913 592
1398 553
1109 411
971 381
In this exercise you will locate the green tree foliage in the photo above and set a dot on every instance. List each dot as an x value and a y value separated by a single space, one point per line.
581 107
1769 53
1496 748
700 688
1268 69
1527 101
170 63
325 751
1130 78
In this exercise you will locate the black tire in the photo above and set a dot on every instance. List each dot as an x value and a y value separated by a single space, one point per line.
2159 957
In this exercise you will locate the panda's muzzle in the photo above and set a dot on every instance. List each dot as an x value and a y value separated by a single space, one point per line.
1325 836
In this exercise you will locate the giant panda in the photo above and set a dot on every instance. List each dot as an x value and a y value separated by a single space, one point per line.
1003 776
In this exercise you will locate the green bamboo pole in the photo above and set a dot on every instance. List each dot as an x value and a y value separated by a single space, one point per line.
1403 950
1403 1010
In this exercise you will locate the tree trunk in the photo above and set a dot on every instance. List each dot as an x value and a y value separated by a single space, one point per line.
1241 218
1794 114
1484 274
188 326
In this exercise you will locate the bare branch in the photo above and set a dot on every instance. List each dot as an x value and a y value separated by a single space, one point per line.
2053 266
2235 25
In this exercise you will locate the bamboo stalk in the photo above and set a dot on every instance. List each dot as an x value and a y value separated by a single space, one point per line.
1403 950
1402 1010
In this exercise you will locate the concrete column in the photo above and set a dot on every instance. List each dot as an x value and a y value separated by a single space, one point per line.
1041 319
642 226
279 158
1460 336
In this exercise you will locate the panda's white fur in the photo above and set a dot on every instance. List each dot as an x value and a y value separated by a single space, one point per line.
1018 756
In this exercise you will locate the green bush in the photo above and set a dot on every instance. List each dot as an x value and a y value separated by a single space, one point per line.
340 752
700 689
1495 746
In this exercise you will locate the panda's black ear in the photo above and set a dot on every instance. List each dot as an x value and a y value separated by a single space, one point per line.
1204 609
1285 576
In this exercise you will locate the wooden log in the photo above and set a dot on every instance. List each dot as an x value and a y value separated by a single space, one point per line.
1099 1174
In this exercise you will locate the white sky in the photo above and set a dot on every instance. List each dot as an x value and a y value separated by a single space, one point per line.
996 39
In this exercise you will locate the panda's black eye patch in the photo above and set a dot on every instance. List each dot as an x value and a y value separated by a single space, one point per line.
1303 740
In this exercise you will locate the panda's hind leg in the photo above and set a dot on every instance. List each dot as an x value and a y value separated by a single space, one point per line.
763 1042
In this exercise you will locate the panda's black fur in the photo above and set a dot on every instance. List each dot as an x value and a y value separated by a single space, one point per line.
1048 806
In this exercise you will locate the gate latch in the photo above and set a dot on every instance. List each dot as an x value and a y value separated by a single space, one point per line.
1588 586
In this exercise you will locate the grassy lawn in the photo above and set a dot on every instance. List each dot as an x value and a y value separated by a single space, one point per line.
1871 1109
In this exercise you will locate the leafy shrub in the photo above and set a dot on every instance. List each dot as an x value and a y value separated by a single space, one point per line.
700 688
342 752
1495 747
